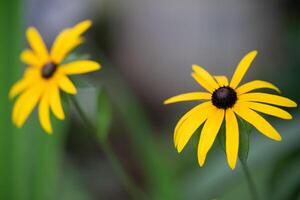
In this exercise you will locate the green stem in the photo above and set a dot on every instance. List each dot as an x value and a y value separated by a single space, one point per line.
125 179
250 181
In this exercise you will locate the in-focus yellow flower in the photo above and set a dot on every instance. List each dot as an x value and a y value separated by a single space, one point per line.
224 101
45 75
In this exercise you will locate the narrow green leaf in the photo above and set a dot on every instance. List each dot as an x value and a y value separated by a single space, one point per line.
244 133
104 115
245 130
222 136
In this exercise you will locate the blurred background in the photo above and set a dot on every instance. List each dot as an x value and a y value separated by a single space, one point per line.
146 49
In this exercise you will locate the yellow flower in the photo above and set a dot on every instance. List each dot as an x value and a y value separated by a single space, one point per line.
45 75
224 101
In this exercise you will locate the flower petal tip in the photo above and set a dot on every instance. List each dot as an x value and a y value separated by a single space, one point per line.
18 124
49 132
201 162
61 117
278 138
98 66
232 165
30 29
11 96
88 22
179 149
195 67
166 102
254 52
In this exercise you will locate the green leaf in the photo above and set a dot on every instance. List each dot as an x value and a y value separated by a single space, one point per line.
222 136
104 115
244 132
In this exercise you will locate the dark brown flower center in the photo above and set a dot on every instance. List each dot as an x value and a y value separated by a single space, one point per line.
48 70
224 97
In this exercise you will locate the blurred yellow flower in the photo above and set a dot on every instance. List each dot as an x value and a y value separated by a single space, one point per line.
46 76
224 101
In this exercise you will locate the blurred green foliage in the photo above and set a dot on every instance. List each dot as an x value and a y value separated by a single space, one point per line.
29 158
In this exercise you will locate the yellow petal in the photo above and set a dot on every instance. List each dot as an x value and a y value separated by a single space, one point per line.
257 121
66 85
44 114
29 58
19 87
188 127
267 109
32 73
203 83
242 69
203 74
183 119
25 104
58 44
209 133
81 27
68 47
189 97
232 138
37 44
254 85
67 40
55 102
267 98
222 80
29 78
80 67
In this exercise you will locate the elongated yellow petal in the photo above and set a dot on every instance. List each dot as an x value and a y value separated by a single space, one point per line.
67 47
30 76
190 125
32 73
37 44
28 57
242 69
232 138
267 109
184 118
19 87
25 104
222 80
257 121
80 67
67 40
203 83
267 98
44 114
209 133
55 102
66 85
81 27
254 85
189 97
58 45
206 76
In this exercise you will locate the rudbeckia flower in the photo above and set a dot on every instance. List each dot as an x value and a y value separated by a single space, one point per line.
224 102
46 76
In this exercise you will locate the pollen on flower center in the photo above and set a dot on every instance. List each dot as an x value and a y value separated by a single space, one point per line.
224 97
48 70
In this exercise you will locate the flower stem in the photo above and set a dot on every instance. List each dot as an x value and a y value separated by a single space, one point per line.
250 181
125 179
